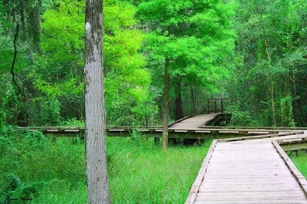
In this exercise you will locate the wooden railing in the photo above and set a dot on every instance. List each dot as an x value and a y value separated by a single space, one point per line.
216 105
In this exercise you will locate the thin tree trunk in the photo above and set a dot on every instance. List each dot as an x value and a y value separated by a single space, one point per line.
178 103
193 99
273 101
272 90
96 163
24 27
36 25
165 107
15 58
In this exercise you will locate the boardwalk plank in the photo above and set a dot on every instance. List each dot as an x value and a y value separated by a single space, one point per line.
249 197
248 180
255 194
194 122
253 202
249 172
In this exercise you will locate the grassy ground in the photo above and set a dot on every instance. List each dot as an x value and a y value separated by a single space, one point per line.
34 169
152 175
300 161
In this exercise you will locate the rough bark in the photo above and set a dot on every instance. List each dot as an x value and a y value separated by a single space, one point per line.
96 164
165 107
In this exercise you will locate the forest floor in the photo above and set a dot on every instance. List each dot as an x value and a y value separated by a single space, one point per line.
36 169
41 170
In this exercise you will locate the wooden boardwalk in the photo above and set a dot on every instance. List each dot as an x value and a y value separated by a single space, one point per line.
194 122
249 171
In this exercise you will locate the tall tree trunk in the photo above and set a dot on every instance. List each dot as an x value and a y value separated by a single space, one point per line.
294 94
165 107
273 101
36 25
96 163
272 90
194 98
178 103
24 27
8 15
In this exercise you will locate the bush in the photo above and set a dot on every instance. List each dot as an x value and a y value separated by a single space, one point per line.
13 190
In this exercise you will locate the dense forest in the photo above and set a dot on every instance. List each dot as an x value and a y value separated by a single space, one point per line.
159 57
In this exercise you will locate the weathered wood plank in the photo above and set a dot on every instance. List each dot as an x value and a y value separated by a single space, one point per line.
287 187
196 185
253 202
297 174
194 122
250 196
250 172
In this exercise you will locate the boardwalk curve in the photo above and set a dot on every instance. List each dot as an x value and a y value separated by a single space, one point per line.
252 171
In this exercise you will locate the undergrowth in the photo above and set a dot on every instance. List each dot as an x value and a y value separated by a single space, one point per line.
36 169
300 160
32 168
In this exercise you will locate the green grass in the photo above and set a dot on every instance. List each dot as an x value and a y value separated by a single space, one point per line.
39 170
141 173
300 161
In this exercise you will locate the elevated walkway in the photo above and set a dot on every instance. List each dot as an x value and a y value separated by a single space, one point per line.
249 171
194 123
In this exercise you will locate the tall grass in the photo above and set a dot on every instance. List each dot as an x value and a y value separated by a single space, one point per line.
141 173
300 160
35 169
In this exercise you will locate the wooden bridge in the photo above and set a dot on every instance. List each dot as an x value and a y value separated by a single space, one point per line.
248 169
248 172
194 127
251 169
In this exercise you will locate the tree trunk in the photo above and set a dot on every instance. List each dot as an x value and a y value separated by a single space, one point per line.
35 20
24 28
272 90
96 163
165 108
178 103
273 101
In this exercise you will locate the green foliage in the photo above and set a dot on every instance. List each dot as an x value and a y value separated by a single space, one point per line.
241 118
263 71
73 122
36 139
127 82
287 111
270 47
143 162
193 39
37 169
45 111
12 190
63 28
31 165
58 74
54 172
299 159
